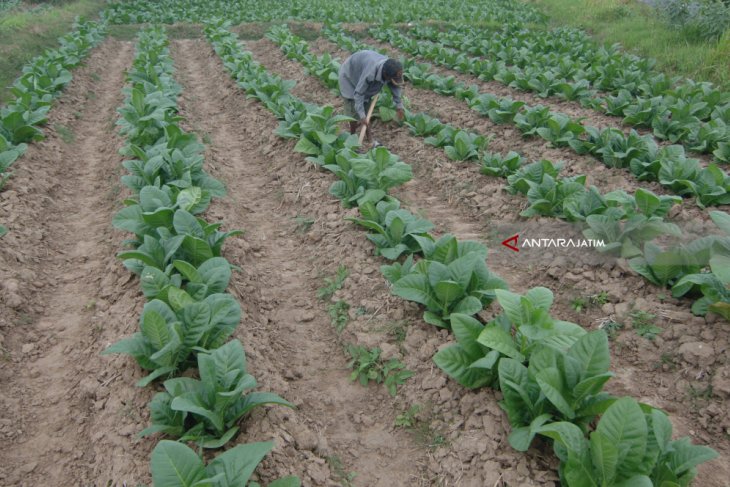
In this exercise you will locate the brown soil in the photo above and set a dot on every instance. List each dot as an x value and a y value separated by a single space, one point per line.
69 415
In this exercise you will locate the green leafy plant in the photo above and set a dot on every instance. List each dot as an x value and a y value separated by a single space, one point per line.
170 334
531 119
643 323
563 383
519 181
515 333
408 418
332 284
422 125
625 238
368 366
549 196
320 130
175 465
465 146
628 447
452 278
206 410
665 267
395 228
560 130
494 164
367 177
339 314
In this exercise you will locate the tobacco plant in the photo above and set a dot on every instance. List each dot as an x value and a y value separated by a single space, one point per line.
206 410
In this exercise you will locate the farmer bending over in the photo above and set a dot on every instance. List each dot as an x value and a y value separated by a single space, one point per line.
362 76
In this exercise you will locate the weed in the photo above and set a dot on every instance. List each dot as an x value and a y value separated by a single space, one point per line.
361 311
643 323
599 299
421 419
339 471
206 139
95 76
667 358
368 366
611 327
408 419
396 329
65 133
698 396
90 305
578 304
304 223
339 314
332 284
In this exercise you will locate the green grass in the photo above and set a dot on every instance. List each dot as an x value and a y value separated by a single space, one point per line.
639 30
25 34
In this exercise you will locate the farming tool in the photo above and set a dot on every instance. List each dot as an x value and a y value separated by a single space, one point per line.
364 129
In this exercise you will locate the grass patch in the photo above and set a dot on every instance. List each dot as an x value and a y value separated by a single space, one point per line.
641 31
25 34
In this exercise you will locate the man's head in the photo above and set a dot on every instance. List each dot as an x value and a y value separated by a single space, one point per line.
393 72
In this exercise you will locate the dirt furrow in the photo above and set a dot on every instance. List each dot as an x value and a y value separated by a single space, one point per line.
293 348
67 413
574 276
464 429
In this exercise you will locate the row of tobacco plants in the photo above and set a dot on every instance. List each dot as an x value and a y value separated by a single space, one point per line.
239 11
551 372
628 225
566 63
189 317
41 82
641 155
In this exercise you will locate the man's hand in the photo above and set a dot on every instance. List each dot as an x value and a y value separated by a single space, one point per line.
364 121
400 114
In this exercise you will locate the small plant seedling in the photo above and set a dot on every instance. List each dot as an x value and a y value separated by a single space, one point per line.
332 284
304 223
207 140
338 469
361 311
339 314
408 419
599 299
397 329
643 323
368 366
578 304
611 328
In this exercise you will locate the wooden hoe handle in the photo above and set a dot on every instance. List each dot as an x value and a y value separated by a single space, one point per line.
367 119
